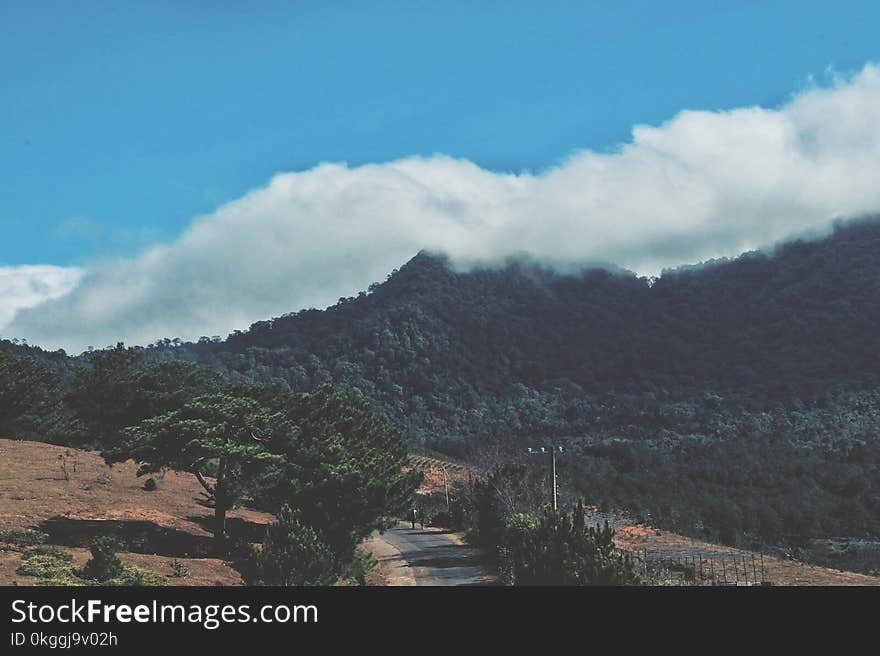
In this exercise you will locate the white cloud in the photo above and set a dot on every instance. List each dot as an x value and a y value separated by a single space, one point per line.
704 184
28 286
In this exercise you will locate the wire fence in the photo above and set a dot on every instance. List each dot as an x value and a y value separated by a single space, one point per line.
700 567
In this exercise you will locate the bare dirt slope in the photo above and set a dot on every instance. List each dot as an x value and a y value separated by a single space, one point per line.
438 473
90 499
638 539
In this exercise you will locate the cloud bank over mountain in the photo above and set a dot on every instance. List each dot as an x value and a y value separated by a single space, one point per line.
705 184
29 286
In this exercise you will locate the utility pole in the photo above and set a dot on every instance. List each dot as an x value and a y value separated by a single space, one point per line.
445 485
553 450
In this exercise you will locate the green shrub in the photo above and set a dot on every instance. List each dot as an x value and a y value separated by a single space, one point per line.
134 576
555 548
47 550
23 538
359 568
440 519
104 563
179 570
51 567
55 567
292 554
504 566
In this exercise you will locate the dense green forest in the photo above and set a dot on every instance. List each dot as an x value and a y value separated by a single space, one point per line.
523 350
738 399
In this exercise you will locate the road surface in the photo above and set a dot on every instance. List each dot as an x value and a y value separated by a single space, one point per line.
427 557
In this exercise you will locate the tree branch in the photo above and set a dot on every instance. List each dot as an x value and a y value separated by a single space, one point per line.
196 469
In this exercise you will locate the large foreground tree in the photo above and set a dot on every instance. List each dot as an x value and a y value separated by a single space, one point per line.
327 455
343 466
221 438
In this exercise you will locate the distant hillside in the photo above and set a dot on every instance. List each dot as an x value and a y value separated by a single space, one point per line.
523 350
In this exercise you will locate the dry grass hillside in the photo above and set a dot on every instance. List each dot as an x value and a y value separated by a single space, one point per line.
71 496
677 549
433 471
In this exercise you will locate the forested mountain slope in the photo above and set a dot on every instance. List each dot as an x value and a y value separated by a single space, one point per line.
523 350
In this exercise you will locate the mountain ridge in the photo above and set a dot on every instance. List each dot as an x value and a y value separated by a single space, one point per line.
439 350
431 342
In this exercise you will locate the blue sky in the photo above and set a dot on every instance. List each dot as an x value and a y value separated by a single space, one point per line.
121 121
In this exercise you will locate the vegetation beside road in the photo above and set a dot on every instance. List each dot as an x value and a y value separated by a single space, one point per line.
324 462
527 542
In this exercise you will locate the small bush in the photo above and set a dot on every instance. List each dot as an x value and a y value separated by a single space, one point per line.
441 519
47 550
505 566
150 485
179 570
55 568
558 548
104 563
133 576
23 538
360 567
292 554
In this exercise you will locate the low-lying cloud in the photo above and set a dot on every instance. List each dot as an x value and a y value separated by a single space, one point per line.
705 184
25 287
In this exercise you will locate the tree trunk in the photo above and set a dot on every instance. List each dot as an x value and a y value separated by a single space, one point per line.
220 526
221 504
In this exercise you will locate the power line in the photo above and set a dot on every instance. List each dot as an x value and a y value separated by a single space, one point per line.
553 451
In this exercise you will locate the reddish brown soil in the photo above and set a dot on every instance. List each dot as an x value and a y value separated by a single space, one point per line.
637 538
34 493
432 468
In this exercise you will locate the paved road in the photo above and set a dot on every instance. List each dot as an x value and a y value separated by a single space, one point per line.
426 557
